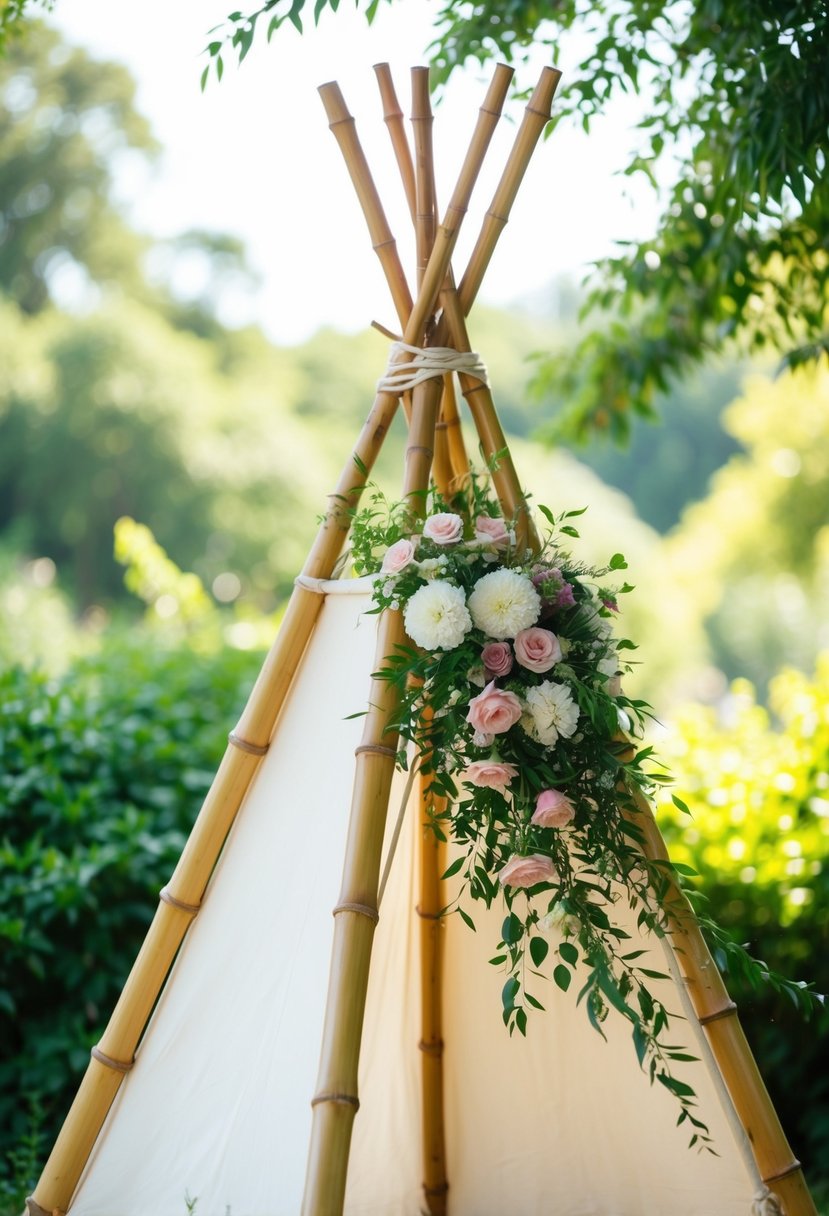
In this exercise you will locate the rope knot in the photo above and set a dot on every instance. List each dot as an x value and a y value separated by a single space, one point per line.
426 363
766 1204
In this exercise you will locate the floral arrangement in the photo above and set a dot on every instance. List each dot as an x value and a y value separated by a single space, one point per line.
511 694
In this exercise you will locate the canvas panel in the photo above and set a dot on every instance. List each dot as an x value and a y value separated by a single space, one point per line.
218 1103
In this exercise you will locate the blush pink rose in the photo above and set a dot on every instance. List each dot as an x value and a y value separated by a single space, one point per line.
537 649
491 529
493 711
490 774
398 556
444 529
527 871
497 658
553 810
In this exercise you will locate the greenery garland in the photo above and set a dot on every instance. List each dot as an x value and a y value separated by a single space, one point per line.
511 695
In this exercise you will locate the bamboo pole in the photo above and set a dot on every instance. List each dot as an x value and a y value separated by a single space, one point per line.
536 116
430 904
450 425
344 130
393 118
717 1013
336 1101
424 170
451 468
456 305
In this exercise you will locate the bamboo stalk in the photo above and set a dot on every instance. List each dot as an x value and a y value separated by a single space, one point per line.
451 424
424 170
429 907
717 1013
344 130
536 116
451 461
393 117
456 305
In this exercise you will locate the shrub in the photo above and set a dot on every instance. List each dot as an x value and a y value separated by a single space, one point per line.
102 771
757 787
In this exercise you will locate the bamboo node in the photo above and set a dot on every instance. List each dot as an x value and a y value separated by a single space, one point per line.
383 244
427 915
431 1049
434 1191
253 749
418 447
378 748
317 585
108 1062
727 1011
784 1173
340 1099
165 897
361 909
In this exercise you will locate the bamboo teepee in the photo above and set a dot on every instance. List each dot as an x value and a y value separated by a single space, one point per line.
198 1090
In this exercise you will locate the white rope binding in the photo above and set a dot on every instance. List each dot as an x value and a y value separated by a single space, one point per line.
425 363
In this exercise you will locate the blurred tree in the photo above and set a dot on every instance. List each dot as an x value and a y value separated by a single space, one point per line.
754 555
733 136
65 119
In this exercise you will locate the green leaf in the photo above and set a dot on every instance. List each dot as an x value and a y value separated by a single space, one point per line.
676 1087
453 869
617 562
467 920
562 977
512 930
539 949
569 953
509 993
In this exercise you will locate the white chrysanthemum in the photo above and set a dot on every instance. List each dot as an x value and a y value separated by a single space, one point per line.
503 603
436 616
554 711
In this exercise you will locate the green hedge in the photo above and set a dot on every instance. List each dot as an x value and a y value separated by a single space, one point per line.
756 781
102 772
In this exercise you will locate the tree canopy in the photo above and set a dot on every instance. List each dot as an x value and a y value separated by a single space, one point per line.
733 137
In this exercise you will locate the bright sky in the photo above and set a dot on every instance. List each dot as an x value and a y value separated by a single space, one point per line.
253 156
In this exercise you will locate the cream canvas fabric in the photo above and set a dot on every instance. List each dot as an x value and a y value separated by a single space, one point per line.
217 1108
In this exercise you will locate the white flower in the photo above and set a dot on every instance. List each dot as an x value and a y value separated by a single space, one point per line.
503 603
554 711
436 616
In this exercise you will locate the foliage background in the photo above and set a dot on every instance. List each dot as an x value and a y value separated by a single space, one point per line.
113 713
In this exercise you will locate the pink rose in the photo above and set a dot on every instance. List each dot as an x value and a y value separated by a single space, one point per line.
497 658
398 556
537 649
493 530
527 871
444 529
490 774
553 810
493 711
